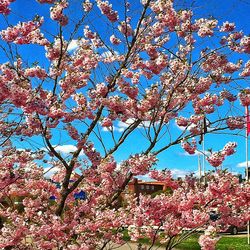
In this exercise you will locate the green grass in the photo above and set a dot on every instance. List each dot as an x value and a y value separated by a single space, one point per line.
225 243
233 243
190 244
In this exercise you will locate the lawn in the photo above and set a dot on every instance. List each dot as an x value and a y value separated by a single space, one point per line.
225 243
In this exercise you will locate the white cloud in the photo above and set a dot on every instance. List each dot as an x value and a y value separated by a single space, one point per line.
182 128
130 121
185 128
125 124
65 149
107 54
121 126
180 173
243 164
48 172
145 177
118 129
195 154
73 45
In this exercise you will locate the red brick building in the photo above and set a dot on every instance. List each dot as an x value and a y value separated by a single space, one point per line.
145 187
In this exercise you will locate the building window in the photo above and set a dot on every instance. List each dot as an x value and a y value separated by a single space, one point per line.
153 187
142 187
147 187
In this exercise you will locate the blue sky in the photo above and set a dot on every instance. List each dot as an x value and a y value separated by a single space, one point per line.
175 158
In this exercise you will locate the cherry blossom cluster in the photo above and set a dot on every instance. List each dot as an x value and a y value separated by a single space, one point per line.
228 96
53 52
73 132
207 103
92 154
33 126
4 6
56 111
107 122
209 239
213 61
191 122
88 33
18 89
186 23
246 70
140 164
108 165
231 67
158 64
244 97
106 9
227 27
217 158
196 119
87 5
164 176
235 123
85 57
206 27
232 40
204 84
114 40
36 72
245 44
166 14
56 12
237 41
182 121
131 92
115 104
25 33
189 147
229 148
72 81
125 28
40 104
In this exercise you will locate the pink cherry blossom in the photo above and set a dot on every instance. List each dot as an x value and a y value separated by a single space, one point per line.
87 5
107 10
246 70
227 27
88 104
25 33
244 97
189 147
56 12
235 123
115 40
4 6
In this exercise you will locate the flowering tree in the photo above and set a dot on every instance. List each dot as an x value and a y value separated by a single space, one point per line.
141 70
